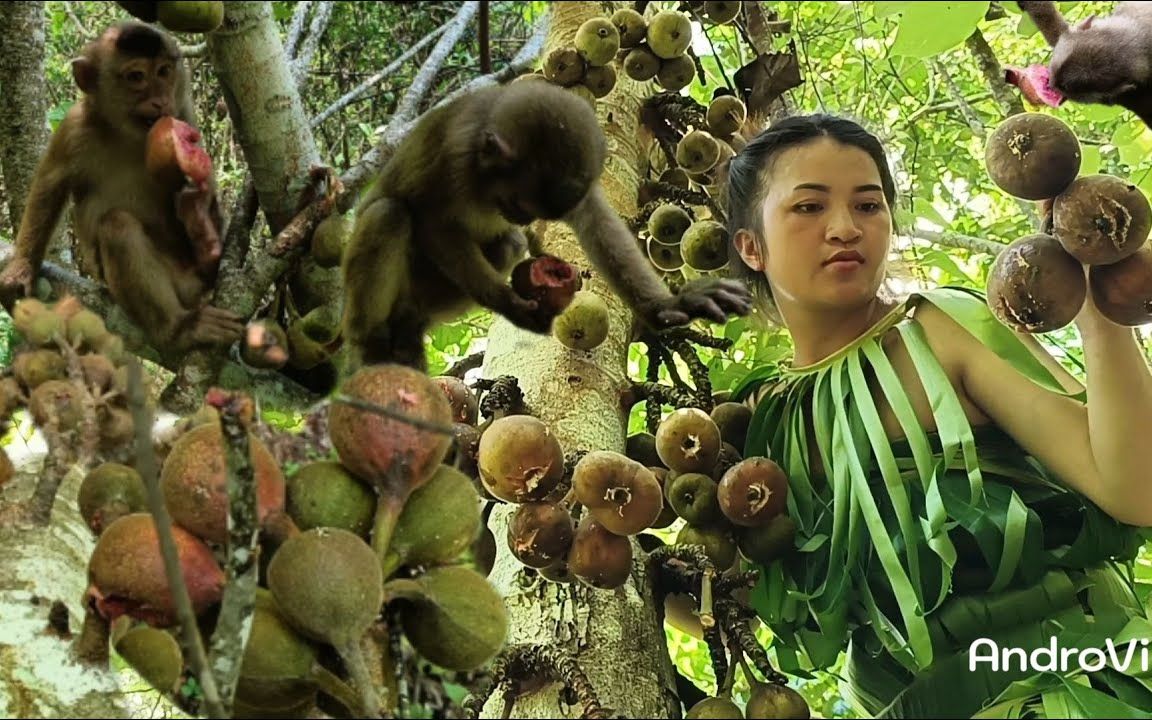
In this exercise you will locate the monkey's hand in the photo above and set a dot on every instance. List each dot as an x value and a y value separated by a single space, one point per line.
194 208
523 313
16 281
215 326
710 298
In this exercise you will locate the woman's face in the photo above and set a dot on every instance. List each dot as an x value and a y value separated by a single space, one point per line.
826 228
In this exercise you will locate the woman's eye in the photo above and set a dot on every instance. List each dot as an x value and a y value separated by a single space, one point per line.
807 207
870 207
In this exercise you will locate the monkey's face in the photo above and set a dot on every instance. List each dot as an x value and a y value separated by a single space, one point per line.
1093 72
145 89
527 186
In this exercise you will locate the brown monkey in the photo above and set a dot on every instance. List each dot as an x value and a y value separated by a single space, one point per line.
154 243
440 230
1105 60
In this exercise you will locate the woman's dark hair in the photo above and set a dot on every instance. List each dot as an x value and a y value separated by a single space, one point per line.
744 188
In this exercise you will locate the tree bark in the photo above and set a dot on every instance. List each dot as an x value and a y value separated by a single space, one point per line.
615 635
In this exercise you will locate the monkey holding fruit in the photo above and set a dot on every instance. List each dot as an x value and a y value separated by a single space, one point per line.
1105 60
153 236
441 228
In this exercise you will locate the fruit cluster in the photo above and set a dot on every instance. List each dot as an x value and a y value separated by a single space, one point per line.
386 526
1038 282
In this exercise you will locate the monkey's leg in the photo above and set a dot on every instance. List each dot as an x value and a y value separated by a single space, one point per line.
154 289
407 327
377 268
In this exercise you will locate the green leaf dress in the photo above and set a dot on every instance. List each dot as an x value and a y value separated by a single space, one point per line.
908 552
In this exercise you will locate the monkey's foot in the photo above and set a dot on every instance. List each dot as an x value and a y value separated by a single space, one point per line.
214 326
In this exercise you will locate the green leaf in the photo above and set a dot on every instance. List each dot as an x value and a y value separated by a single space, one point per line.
930 28
1134 142
924 208
1090 159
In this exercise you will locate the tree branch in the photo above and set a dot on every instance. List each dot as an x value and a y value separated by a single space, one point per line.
964 242
969 113
303 61
422 83
296 29
993 73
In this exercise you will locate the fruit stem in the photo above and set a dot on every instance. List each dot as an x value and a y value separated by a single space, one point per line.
707 619
353 658
335 688
388 509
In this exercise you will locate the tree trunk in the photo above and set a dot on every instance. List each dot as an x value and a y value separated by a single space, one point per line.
615 635
40 566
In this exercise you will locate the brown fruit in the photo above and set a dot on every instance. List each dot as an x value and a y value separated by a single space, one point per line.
278 663
584 323
715 707
520 459
729 456
631 26
126 572
548 280
98 370
86 328
1101 219
676 177
540 533
195 482
641 64
1032 156
154 654
688 441
620 493
565 66
324 494
733 419
725 115
108 493
600 80
190 17
767 543
719 543
394 456
753 491
35 367
705 245
721 13
438 523
697 152
676 74
598 557
641 447
174 151
558 573
770 700
59 400
1035 286
453 617
693 497
1122 291
116 427
327 585
465 449
465 406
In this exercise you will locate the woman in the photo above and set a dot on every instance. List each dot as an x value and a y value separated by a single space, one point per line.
951 483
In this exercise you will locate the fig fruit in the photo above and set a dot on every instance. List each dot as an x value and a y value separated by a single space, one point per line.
600 80
465 406
721 13
1032 156
190 17
265 345
729 456
732 419
641 447
324 494
598 557
715 707
154 654
452 616
766 544
641 64
719 543
753 491
32 368
109 492
771 700
705 245
1034 82
668 223
1035 286
1122 291
565 66
328 240
631 26
1101 219
540 533
195 482
687 440
465 449
620 493
520 459
174 152
669 34
697 152
438 523
676 74
665 257
598 41
548 280
584 323
126 572
693 497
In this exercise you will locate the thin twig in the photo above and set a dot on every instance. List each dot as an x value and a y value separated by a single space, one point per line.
316 30
422 83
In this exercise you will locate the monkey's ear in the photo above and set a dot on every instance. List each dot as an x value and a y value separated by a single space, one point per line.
85 73
1086 22
496 150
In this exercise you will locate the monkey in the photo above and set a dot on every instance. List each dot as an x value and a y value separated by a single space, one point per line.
155 244
1104 60
442 226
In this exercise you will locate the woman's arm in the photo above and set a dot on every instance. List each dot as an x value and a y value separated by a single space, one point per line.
1103 450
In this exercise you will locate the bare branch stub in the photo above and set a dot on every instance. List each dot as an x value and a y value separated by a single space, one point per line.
524 666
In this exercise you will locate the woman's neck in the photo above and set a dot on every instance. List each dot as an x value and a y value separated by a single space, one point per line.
817 334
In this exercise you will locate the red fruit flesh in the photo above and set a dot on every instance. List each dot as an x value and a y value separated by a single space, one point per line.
1033 82
173 145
